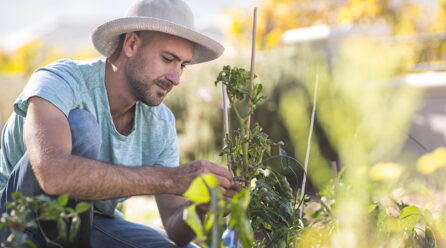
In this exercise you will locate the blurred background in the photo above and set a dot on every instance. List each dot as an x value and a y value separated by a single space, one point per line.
381 101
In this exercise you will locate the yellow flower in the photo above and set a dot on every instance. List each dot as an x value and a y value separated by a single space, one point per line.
430 162
385 171
440 154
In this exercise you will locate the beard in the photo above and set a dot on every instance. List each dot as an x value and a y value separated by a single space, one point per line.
142 86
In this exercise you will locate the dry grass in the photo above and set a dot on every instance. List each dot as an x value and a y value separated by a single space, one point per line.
10 88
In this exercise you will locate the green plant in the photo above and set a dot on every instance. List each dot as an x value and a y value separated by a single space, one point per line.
26 212
272 209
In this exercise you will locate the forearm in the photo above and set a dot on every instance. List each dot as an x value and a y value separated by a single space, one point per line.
89 179
178 230
172 210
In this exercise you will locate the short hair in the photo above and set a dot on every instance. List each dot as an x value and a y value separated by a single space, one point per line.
146 39
120 43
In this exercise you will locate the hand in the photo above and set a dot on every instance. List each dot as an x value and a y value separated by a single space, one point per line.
188 172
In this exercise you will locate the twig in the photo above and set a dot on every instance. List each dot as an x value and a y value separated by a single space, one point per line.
307 155
48 240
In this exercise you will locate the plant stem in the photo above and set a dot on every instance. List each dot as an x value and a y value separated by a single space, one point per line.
226 126
307 155
243 132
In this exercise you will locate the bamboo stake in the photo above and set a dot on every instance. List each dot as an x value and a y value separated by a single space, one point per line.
251 83
307 155
251 73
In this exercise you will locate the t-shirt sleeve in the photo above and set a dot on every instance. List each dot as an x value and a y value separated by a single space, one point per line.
170 157
52 84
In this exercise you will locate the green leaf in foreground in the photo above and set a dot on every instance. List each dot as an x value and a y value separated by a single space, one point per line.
190 216
198 190
409 217
62 200
82 207
74 229
371 208
239 219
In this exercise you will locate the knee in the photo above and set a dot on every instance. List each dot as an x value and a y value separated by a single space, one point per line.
85 133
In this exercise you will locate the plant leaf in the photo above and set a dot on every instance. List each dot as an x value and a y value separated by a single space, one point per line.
82 207
190 216
238 218
62 229
74 228
371 208
17 196
409 217
282 152
440 224
198 191
62 200
30 244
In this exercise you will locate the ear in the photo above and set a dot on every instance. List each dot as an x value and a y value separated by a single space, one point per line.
132 42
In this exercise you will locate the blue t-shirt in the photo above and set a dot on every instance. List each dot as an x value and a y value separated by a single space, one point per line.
80 85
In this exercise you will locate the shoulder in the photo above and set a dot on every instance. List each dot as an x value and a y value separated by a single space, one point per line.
67 68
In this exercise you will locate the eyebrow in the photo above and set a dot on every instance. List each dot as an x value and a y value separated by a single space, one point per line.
176 57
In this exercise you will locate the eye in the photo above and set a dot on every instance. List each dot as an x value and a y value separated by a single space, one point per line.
183 66
166 59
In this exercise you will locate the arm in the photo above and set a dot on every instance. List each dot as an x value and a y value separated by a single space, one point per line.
48 140
171 209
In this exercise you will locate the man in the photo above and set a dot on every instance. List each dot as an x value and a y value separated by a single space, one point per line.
98 130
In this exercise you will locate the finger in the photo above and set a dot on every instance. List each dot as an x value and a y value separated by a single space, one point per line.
230 193
223 190
224 182
227 199
217 169
236 186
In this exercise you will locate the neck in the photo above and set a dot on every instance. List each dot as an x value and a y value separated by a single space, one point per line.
119 97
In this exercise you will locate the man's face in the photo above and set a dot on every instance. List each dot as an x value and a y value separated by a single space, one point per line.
157 67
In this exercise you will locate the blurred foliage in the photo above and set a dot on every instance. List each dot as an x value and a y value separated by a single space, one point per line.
430 162
28 57
34 54
277 16
405 18
385 171
390 220
364 120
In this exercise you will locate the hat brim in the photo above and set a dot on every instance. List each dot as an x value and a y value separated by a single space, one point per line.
105 38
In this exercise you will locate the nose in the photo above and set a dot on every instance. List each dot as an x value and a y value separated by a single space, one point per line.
174 75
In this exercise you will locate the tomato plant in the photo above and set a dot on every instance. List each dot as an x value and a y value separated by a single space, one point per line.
267 200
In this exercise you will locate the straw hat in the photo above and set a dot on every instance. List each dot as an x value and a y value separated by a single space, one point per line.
172 17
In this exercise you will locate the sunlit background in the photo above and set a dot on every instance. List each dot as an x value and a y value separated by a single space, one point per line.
381 105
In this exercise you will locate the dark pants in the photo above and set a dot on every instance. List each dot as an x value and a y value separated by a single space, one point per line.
101 231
